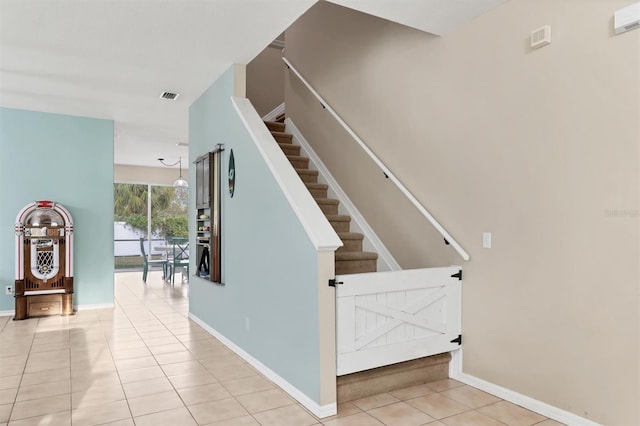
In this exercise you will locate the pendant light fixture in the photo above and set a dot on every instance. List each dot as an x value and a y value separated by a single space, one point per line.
180 182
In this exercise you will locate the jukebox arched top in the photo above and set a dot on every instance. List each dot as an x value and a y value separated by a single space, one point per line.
44 217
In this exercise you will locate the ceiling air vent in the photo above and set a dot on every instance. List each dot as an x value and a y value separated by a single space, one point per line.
169 95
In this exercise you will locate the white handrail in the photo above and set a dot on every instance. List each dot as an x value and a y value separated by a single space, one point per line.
457 247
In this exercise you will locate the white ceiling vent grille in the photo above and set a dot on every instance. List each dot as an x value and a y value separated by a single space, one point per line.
169 96
541 37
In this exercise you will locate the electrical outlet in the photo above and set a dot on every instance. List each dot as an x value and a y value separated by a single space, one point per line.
8 290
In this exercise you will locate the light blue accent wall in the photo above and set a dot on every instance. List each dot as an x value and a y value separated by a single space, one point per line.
269 264
68 160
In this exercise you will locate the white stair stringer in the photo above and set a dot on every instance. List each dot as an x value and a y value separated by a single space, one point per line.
371 242
274 113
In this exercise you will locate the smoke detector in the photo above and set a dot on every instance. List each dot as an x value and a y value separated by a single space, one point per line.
171 96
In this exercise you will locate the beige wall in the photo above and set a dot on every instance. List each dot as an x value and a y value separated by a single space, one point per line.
153 175
539 147
265 80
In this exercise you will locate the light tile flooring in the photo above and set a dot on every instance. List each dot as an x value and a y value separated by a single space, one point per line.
144 363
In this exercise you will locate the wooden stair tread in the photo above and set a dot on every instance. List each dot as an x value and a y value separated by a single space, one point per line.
317 185
281 134
288 145
356 255
327 201
274 123
298 157
289 148
307 172
350 236
275 126
338 218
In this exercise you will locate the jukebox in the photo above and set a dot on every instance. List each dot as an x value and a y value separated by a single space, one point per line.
44 260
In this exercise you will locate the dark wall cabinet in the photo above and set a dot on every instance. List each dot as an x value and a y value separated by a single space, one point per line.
208 216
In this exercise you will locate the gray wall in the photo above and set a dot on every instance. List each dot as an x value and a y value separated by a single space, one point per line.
265 80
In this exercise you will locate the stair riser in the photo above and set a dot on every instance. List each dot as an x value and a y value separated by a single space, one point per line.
329 208
289 149
299 163
393 377
308 178
275 127
283 138
355 266
350 245
340 226
318 193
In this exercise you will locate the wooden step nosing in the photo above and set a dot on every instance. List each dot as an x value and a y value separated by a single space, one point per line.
317 186
307 172
355 256
327 201
350 236
338 218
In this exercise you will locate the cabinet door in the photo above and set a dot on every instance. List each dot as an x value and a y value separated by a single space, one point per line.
206 180
200 178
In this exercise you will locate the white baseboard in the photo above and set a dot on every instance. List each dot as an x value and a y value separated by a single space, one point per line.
274 113
95 306
386 261
75 308
318 410
555 413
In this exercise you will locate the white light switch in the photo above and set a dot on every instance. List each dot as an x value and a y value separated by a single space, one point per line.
486 239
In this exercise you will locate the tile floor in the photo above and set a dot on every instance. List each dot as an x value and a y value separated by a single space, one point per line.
144 363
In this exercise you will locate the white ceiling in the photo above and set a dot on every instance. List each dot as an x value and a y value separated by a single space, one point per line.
113 58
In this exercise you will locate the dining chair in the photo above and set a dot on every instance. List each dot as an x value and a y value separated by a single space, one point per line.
179 257
150 262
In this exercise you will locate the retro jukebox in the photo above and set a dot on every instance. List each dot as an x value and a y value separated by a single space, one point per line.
44 260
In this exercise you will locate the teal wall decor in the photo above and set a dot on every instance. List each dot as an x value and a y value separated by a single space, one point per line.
232 174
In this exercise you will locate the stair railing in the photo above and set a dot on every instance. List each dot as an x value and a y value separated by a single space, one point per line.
448 238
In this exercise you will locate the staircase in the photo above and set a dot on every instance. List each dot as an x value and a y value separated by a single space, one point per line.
350 258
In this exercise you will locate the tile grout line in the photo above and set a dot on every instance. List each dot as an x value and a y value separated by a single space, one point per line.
160 366
118 306
24 369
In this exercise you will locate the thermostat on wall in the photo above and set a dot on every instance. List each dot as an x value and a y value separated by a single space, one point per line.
627 18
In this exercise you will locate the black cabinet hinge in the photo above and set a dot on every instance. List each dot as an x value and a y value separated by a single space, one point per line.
457 275
333 282
458 339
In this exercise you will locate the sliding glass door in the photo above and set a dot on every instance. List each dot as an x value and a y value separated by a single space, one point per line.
150 212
